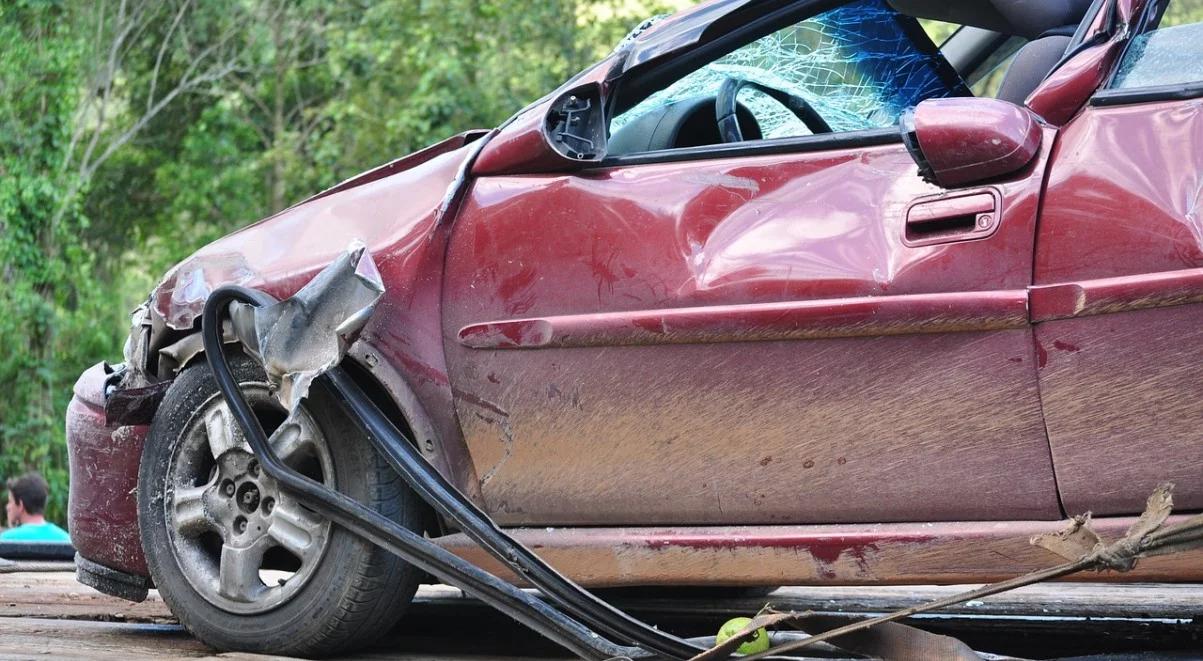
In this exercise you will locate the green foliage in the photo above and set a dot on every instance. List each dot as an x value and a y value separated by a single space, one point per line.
133 132
49 297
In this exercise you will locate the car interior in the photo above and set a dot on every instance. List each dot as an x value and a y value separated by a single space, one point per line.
1002 48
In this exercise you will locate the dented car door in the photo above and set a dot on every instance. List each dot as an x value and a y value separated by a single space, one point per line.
794 328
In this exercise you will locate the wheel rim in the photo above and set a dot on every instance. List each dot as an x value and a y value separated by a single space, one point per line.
240 542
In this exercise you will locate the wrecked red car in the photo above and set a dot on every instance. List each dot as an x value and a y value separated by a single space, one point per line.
776 293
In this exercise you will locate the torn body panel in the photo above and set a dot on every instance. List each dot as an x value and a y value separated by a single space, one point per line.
298 339
396 218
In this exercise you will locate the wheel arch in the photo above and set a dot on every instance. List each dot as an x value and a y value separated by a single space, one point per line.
383 384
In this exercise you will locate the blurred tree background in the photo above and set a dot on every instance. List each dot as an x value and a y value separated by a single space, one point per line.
132 132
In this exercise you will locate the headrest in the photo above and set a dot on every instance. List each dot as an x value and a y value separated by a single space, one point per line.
1024 18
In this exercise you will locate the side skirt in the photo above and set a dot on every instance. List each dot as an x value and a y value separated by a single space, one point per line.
849 554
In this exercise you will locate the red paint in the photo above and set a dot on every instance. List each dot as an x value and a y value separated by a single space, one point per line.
1110 295
404 163
102 506
1064 92
685 262
395 215
521 148
970 140
845 317
854 554
1119 273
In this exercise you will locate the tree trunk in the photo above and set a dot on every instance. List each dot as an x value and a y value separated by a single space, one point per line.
277 130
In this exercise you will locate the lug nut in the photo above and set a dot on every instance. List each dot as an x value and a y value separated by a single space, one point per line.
253 468
240 525
228 488
268 505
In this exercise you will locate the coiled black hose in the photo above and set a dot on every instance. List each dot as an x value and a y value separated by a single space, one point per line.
375 527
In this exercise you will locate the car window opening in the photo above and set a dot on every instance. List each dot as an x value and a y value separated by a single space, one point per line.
858 66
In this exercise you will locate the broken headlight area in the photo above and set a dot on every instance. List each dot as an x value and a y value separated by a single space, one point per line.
164 337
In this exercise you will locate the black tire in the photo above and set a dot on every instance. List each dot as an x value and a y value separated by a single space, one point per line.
355 592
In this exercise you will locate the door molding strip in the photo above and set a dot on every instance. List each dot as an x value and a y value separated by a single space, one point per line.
1120 294
903 314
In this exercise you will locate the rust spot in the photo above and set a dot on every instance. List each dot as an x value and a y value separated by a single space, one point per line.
809 463
1041 355
841 461
1015 360
1066 346
766 461
493 378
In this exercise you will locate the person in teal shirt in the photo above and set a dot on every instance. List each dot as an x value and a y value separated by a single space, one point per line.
26 502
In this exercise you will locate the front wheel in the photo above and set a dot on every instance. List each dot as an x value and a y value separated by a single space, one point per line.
243 565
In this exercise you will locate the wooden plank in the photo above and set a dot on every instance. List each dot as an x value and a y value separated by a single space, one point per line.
22 638
59 595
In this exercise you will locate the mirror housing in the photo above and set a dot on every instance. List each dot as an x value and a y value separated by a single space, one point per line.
563 135
960 141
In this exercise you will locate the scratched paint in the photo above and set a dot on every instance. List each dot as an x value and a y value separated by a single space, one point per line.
854 554
102 511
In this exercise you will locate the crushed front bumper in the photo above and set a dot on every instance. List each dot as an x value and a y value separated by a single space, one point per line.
102 511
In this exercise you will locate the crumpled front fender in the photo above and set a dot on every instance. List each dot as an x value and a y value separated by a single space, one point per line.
398 212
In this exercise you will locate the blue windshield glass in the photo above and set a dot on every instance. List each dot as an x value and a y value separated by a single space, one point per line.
859 65
1168 56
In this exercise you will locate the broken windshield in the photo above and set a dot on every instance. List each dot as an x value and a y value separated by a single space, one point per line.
859 65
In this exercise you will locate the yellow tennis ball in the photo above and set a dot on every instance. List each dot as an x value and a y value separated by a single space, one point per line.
759 641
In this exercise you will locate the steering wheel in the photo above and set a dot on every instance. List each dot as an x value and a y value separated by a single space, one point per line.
725 106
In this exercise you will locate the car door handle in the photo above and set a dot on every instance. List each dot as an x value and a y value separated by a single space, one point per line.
946 219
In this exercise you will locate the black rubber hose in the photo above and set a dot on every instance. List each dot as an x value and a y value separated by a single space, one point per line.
375 527
449 501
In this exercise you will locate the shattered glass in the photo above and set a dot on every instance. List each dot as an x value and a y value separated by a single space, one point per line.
857 65
1168 56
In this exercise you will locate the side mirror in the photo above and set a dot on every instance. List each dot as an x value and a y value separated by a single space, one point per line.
562 135
962 141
